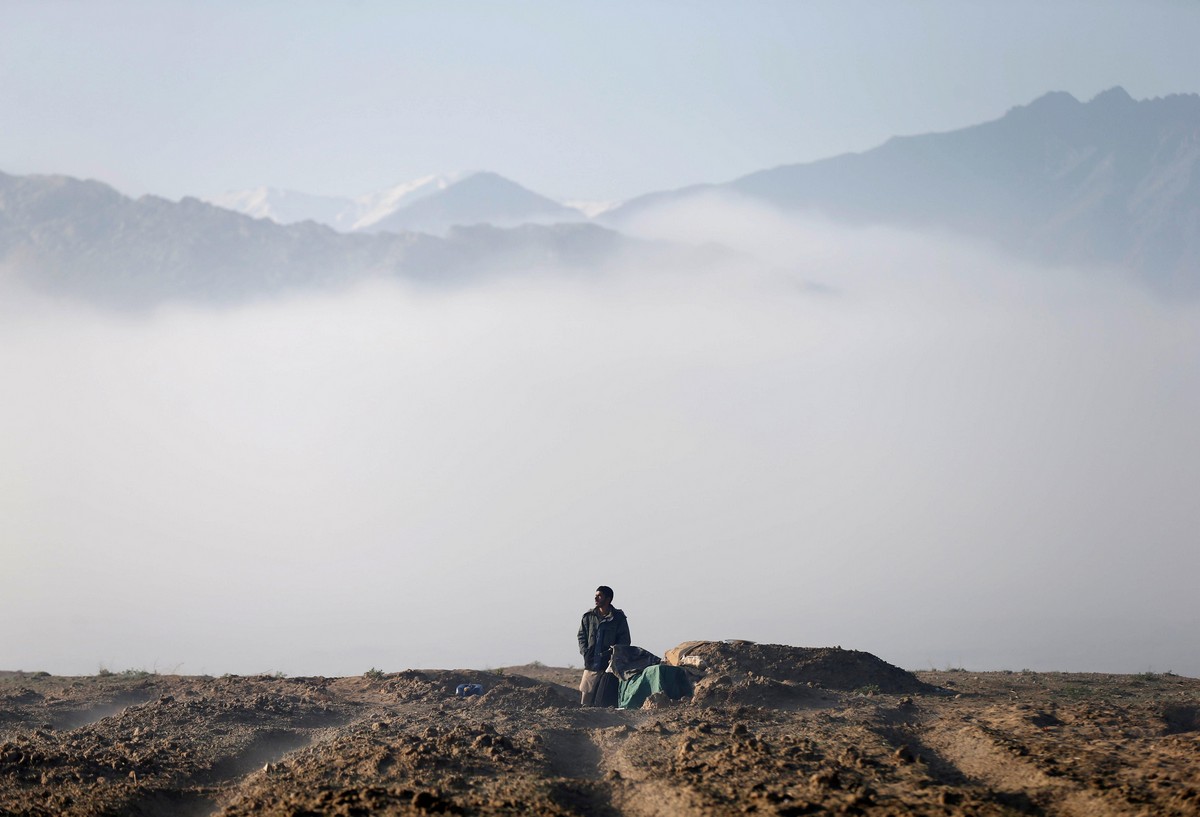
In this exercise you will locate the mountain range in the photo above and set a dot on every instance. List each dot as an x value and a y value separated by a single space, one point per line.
85 239
1111 182
432 204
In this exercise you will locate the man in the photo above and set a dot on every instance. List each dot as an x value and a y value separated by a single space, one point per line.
601 628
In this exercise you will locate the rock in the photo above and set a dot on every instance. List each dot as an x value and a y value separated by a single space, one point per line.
657 700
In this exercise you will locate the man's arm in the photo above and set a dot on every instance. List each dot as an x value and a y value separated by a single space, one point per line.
623 632
583 636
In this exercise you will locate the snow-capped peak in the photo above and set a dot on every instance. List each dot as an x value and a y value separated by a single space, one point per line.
429 204
375 207
286 206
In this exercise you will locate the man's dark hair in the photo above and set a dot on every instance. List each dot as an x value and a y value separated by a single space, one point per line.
606 590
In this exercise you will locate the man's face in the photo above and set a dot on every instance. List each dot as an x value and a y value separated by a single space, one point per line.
602 600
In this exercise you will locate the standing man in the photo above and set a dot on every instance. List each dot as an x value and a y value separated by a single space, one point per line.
601 628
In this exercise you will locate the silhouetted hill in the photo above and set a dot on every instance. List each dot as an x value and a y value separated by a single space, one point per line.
85 239
1112 182
481 198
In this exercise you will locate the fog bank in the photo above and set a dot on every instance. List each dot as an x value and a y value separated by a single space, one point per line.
871 439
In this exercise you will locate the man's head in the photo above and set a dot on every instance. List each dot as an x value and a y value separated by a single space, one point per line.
604 596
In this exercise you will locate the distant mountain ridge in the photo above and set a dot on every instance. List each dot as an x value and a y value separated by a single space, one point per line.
84 239
1113 181
432 204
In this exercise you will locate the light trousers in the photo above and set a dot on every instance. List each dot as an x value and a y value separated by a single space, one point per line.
587 686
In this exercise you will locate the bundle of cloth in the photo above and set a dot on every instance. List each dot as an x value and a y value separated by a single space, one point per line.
642 674
627 662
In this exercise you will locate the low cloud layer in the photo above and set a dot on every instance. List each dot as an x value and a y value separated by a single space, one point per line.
890 442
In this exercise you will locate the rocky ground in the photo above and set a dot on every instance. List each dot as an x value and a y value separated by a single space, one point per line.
769 730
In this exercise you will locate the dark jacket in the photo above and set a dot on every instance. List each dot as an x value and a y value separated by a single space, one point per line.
596 635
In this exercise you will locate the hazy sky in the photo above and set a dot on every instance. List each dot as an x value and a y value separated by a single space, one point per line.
593 101
937 455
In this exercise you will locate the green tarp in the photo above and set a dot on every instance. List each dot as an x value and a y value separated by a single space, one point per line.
657 678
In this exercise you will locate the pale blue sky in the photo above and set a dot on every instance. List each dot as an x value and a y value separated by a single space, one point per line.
947 458
576 100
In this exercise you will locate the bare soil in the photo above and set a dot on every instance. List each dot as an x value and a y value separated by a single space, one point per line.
770 730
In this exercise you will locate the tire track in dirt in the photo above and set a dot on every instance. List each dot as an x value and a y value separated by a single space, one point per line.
638 790
602 772
266 747
974 754
65 716
574 754
209 791
575 758
272 748
68 719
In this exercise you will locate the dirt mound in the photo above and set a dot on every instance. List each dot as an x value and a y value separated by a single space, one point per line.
755 690
511 690
828 667
538 696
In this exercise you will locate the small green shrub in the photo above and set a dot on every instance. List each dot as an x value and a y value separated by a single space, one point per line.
374 674
105 672
1154 676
